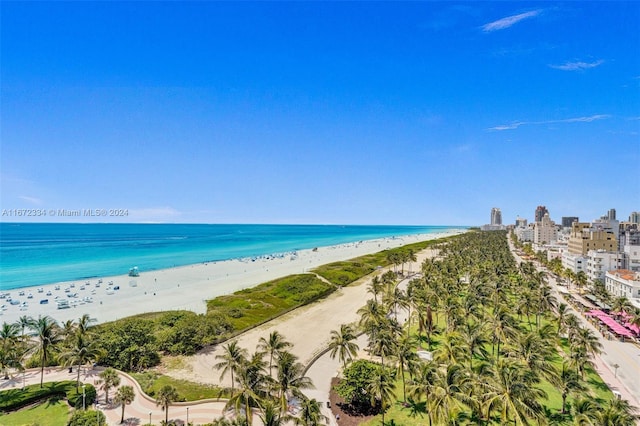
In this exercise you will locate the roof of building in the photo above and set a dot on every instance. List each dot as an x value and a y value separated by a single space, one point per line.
625 274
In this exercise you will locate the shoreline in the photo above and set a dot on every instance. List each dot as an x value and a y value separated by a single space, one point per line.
183 287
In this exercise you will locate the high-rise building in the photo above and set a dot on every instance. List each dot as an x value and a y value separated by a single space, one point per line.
568 220
545 231
634 217
540 211
611 214
496 216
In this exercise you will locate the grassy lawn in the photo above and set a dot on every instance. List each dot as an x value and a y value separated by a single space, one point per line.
345 272
152 382
252 306
53 412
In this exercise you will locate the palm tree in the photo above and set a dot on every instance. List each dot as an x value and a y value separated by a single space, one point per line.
342 344
581 280
310 414
562 313
48 336
250 393
272 416
383 342
81 353
411 257
67 331
449 393
620 305
372 315
125 396
395 298
474 337
232 357
585 411
274 345
9 349
513 392
406 357
567 382
166 395
536 352
291 378
85 323
109 378
635 318
503 326
584 343
381 388
424 312
375 287
25 322
451 350
421 385
617 412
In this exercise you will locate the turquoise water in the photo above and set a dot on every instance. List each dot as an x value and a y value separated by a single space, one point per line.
41 253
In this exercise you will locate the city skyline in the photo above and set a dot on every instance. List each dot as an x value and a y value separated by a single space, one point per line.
321 113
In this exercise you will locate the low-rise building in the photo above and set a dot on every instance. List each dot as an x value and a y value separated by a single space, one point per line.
623 282
574 262
600 261
524 233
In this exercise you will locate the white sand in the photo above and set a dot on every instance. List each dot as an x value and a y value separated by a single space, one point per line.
186 287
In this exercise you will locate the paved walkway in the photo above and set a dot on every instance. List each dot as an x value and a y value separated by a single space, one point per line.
138 413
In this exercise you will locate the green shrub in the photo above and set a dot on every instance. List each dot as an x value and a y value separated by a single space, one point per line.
75 397
87 418
14 399
354 384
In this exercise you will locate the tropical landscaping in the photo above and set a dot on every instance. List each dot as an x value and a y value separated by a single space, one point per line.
501 349
473 339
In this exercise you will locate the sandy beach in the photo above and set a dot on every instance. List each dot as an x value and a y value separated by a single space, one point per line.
308 329
186 287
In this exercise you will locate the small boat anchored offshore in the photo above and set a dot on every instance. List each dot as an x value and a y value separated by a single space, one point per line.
133 272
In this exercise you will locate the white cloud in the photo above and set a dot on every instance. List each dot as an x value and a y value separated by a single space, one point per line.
509 21
585 119
31 200
507 126
588 119
577 65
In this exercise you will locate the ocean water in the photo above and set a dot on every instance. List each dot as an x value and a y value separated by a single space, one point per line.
42 253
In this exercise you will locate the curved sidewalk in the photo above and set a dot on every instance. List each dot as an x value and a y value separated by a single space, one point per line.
138 412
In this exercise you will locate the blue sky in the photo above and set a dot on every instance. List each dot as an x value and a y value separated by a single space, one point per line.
320 112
